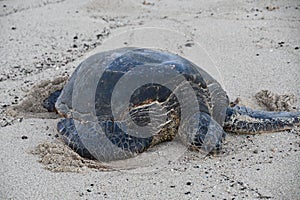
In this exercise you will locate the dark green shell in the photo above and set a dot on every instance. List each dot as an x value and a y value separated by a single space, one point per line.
121 102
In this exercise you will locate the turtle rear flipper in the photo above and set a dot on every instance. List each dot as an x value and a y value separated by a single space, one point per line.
245 120
207 134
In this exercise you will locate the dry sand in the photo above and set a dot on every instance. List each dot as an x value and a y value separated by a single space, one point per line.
248 46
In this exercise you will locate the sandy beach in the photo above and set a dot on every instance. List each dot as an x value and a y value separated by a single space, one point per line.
248 46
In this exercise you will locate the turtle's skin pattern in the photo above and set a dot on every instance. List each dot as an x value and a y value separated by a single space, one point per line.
245 120
180 100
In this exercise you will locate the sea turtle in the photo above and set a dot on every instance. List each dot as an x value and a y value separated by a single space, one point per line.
121 102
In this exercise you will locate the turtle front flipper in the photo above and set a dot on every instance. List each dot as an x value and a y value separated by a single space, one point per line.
67 129
106 144
245 120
